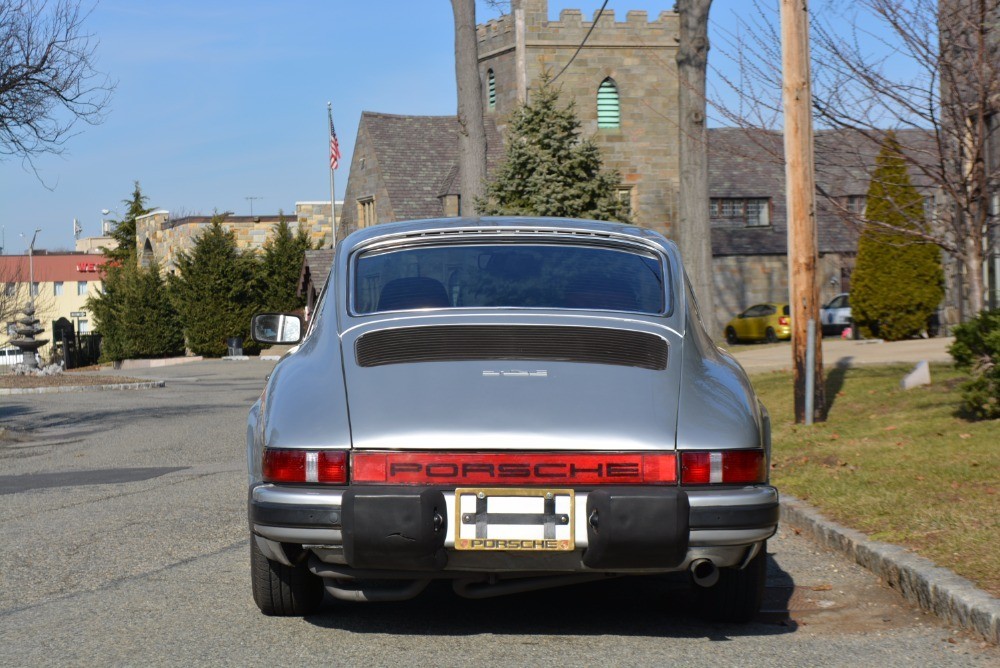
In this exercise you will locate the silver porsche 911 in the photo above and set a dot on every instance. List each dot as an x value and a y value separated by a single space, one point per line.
509 404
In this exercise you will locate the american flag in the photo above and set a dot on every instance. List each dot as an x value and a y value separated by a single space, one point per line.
334 144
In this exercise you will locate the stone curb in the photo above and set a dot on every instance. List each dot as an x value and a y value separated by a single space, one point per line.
934 589
82 388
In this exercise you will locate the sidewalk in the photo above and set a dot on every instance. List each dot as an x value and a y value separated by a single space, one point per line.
844 352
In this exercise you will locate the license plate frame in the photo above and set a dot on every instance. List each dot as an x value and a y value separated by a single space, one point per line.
556 521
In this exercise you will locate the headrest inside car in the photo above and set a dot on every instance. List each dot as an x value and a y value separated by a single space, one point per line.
414 292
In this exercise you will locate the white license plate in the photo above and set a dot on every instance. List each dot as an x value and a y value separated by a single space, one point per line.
517 520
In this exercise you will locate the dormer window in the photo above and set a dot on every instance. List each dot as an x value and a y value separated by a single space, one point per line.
608 108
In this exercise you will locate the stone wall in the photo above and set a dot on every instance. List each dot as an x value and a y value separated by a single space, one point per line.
638 55
161 238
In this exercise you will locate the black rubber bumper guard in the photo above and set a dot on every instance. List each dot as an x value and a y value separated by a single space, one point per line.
405 528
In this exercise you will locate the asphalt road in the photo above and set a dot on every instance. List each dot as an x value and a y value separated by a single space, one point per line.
123 541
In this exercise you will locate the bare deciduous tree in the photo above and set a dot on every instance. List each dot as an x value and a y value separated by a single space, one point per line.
930 66
48 78
471 128
694 231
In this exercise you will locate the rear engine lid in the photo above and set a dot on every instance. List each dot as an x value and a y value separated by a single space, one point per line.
583 385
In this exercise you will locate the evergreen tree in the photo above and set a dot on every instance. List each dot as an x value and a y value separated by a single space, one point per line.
281 267
134 315
548 170
215 291
898 282
124 231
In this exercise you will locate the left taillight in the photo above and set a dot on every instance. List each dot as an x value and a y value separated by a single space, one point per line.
726 467
322 466
784 321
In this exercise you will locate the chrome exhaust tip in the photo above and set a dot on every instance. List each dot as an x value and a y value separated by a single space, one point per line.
704 572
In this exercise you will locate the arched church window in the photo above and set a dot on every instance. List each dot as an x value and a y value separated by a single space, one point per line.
608 108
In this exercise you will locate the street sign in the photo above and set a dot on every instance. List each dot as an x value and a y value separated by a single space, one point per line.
78 314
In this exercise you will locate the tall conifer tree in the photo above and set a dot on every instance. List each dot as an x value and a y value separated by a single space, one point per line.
281 267
215 291
134 315
898 281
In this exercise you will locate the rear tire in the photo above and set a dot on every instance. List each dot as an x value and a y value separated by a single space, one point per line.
738 594
770 336
731 337
280 590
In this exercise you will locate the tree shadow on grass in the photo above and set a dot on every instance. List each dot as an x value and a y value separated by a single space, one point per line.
834 383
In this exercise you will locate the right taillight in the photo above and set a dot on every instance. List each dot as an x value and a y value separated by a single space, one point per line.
323 466
725 467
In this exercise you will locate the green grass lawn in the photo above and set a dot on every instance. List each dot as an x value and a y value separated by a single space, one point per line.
902 466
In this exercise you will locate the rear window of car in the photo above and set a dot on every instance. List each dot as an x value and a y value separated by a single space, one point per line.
509 276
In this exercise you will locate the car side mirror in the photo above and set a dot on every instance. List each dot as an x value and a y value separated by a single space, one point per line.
279 328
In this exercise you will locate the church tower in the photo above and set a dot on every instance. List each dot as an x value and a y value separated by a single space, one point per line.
623 83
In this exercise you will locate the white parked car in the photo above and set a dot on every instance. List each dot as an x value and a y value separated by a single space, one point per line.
11 356
835 316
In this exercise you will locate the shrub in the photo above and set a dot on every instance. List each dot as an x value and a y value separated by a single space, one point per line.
977 350
214 292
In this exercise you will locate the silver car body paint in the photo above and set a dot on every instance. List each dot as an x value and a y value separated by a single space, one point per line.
319 397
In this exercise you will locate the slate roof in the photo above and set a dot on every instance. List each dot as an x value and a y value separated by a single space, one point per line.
750 164
415 154
418 159
315 270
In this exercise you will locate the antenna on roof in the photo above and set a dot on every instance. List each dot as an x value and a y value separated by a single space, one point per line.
77 229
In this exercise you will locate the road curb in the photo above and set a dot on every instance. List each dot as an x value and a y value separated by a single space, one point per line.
918 579
82 388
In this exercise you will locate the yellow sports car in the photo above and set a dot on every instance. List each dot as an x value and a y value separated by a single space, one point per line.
761 322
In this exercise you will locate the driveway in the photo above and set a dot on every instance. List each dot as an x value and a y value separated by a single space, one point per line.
845 353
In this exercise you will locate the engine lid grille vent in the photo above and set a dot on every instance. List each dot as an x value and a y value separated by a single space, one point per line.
451 343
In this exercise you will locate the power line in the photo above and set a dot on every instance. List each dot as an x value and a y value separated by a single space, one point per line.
585 38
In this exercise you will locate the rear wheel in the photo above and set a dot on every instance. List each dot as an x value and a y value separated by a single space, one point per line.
738 594
731 337
280 590
770 336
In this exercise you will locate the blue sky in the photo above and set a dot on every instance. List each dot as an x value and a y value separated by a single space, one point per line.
218 101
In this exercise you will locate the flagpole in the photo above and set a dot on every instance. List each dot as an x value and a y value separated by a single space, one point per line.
333 197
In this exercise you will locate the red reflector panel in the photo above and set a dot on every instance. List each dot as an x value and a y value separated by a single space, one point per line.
507 468
743 466
695 468
284 465
332 467
726 467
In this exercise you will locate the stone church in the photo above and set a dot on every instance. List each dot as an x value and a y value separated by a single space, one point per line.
623 85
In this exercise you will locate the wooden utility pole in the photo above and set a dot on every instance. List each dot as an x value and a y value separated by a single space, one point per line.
800 189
